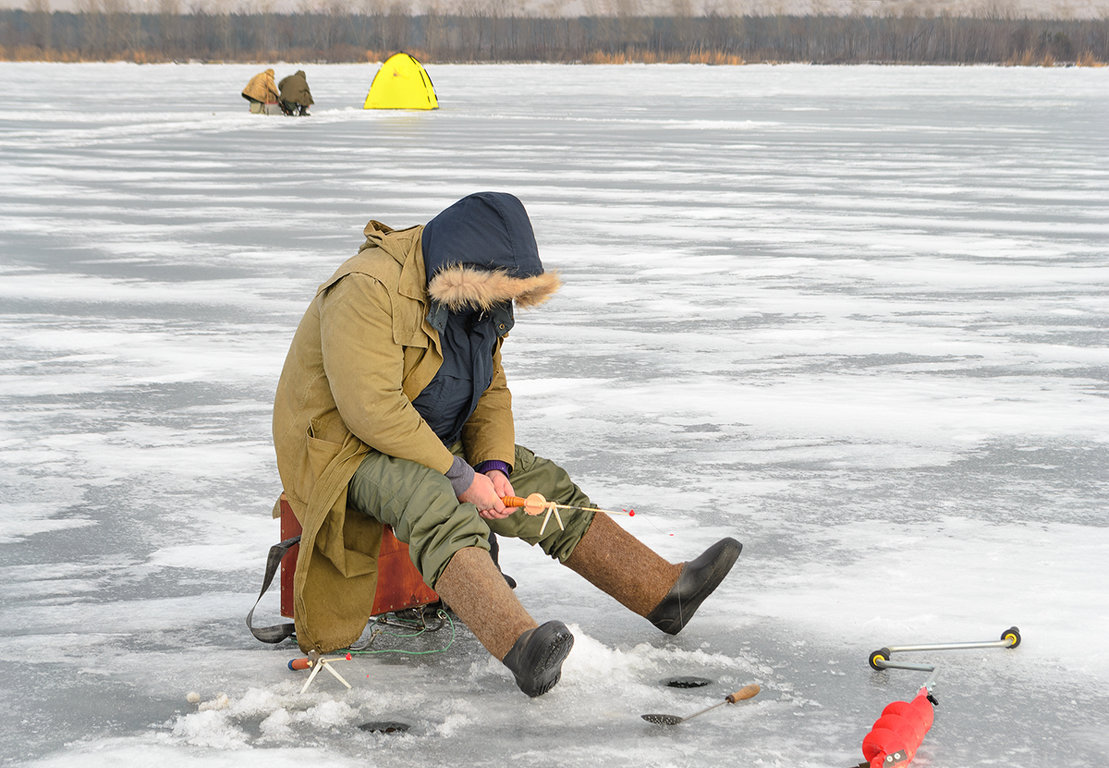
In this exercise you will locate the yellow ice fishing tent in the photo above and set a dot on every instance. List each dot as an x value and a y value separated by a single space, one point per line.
401 83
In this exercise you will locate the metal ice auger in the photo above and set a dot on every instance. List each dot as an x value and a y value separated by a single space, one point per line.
897 734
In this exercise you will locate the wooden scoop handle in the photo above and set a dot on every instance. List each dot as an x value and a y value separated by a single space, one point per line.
746 692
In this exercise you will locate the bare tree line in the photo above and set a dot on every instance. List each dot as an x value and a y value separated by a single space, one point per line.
489 31
1052 9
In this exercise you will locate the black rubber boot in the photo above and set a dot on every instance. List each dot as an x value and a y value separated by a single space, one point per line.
536 658
696 582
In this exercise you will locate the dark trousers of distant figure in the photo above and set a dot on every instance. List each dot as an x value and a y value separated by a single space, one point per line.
292 108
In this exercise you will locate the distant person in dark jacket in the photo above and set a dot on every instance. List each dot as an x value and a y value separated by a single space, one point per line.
295 97
260 91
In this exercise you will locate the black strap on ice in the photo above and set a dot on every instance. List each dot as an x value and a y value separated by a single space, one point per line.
276 632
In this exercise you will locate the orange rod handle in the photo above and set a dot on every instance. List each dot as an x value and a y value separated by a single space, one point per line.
295 664
513 501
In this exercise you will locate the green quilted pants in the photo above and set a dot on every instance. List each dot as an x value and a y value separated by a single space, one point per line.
421 507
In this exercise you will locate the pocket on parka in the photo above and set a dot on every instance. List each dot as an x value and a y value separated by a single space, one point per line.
407 337
320 454
415 343
408 322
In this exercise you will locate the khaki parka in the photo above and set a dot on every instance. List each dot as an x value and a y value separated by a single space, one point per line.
362 352
262 88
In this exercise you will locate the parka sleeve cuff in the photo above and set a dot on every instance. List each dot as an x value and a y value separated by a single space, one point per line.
491 464
461 475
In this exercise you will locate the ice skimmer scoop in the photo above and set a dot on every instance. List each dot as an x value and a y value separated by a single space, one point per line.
746 692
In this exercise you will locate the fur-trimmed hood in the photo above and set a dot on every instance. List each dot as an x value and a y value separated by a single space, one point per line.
481 252
460 286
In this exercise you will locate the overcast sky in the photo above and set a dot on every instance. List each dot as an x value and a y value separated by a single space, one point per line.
1054 8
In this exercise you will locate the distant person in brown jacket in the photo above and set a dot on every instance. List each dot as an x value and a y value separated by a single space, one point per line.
295 97
260 91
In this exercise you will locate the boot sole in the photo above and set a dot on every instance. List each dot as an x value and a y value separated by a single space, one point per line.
698 579
541 660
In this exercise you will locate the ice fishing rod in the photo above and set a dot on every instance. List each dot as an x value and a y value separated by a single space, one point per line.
536 504
315 662
898 733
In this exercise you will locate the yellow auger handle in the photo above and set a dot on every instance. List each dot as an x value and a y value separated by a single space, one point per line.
746 692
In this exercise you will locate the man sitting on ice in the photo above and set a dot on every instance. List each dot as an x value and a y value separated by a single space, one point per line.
393 408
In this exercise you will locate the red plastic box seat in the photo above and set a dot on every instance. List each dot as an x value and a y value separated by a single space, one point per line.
399 584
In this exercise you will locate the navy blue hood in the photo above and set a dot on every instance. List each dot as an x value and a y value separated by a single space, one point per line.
486 230
481 251
480 256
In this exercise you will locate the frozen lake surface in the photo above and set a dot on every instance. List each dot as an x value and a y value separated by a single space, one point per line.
855 317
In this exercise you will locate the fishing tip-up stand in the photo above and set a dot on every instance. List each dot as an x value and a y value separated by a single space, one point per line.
898 733
316 662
